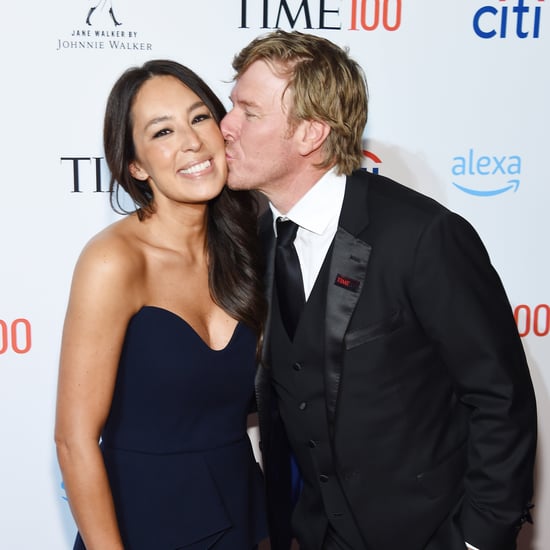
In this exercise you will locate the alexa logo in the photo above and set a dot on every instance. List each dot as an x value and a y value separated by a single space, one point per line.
483 175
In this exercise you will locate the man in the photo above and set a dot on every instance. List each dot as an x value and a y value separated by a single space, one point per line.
403 393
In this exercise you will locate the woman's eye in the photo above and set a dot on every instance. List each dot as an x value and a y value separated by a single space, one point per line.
201 117
163 132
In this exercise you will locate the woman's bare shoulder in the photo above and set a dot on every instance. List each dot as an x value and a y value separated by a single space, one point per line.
111 262
116 247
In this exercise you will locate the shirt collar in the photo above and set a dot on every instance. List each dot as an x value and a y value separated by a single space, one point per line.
319 206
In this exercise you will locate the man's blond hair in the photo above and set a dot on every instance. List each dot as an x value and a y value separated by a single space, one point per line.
326 85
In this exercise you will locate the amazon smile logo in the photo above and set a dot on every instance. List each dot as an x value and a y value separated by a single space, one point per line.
486 175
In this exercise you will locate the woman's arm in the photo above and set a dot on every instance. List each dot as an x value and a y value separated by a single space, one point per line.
100 306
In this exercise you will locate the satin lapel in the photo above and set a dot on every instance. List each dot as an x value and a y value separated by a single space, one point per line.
348 268
347 275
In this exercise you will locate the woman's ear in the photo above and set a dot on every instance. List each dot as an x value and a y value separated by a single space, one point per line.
137 171
312 135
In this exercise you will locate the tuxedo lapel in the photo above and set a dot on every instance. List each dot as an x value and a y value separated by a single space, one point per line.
347 275
348 266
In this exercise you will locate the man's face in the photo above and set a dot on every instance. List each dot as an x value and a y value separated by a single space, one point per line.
261 151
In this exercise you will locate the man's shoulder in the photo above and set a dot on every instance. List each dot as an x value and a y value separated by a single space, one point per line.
380 190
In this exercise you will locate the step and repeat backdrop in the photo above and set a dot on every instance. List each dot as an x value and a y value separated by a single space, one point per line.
459 110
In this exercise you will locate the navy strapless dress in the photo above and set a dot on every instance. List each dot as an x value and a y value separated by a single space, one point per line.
175 446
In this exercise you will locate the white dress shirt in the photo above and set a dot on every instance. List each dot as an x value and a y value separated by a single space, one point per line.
316 214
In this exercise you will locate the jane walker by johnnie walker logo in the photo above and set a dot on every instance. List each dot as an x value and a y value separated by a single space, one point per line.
102 28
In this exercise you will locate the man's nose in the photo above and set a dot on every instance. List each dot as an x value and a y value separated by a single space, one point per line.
227 127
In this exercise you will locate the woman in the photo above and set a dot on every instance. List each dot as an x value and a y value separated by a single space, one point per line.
160 338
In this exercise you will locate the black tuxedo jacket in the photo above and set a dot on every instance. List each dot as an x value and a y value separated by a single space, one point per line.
430 405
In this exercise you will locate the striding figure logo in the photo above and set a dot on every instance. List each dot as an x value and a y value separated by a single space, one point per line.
98 8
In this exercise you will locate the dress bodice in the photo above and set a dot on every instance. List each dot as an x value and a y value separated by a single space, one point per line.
176 450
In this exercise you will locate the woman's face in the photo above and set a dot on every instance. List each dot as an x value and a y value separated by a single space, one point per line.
178 145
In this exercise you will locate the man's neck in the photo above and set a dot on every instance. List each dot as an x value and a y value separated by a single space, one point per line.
285 196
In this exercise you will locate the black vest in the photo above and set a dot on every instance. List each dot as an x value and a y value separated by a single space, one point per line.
298 378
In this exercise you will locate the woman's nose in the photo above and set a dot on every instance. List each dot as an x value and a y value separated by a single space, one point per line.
191 141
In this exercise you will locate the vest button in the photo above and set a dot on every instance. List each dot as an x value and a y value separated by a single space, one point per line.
311 444
302 406
323 478
297 366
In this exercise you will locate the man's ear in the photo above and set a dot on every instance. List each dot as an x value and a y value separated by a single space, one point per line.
312 134
136 171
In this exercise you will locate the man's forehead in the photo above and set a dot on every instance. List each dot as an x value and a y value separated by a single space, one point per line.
258 85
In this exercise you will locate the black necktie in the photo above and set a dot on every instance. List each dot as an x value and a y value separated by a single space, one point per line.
288 276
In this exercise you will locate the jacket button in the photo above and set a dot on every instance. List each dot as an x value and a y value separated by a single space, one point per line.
323 478
302 406
297 366
311 444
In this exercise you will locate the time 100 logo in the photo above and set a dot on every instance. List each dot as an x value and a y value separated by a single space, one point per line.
15 336
532 320
366 15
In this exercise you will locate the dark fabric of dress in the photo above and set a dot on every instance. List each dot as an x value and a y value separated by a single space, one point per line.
175 446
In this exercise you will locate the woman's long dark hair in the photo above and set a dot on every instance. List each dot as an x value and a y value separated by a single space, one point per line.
235 273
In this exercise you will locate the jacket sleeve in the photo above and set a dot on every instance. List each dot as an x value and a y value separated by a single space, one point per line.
462 306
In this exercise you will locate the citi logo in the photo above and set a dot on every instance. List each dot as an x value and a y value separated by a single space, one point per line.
486 175
519 18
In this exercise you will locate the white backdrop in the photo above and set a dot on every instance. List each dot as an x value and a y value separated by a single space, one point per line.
459 100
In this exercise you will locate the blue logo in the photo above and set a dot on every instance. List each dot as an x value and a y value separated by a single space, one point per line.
500 174
506 19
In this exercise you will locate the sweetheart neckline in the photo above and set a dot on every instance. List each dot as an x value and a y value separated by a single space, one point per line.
181 319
